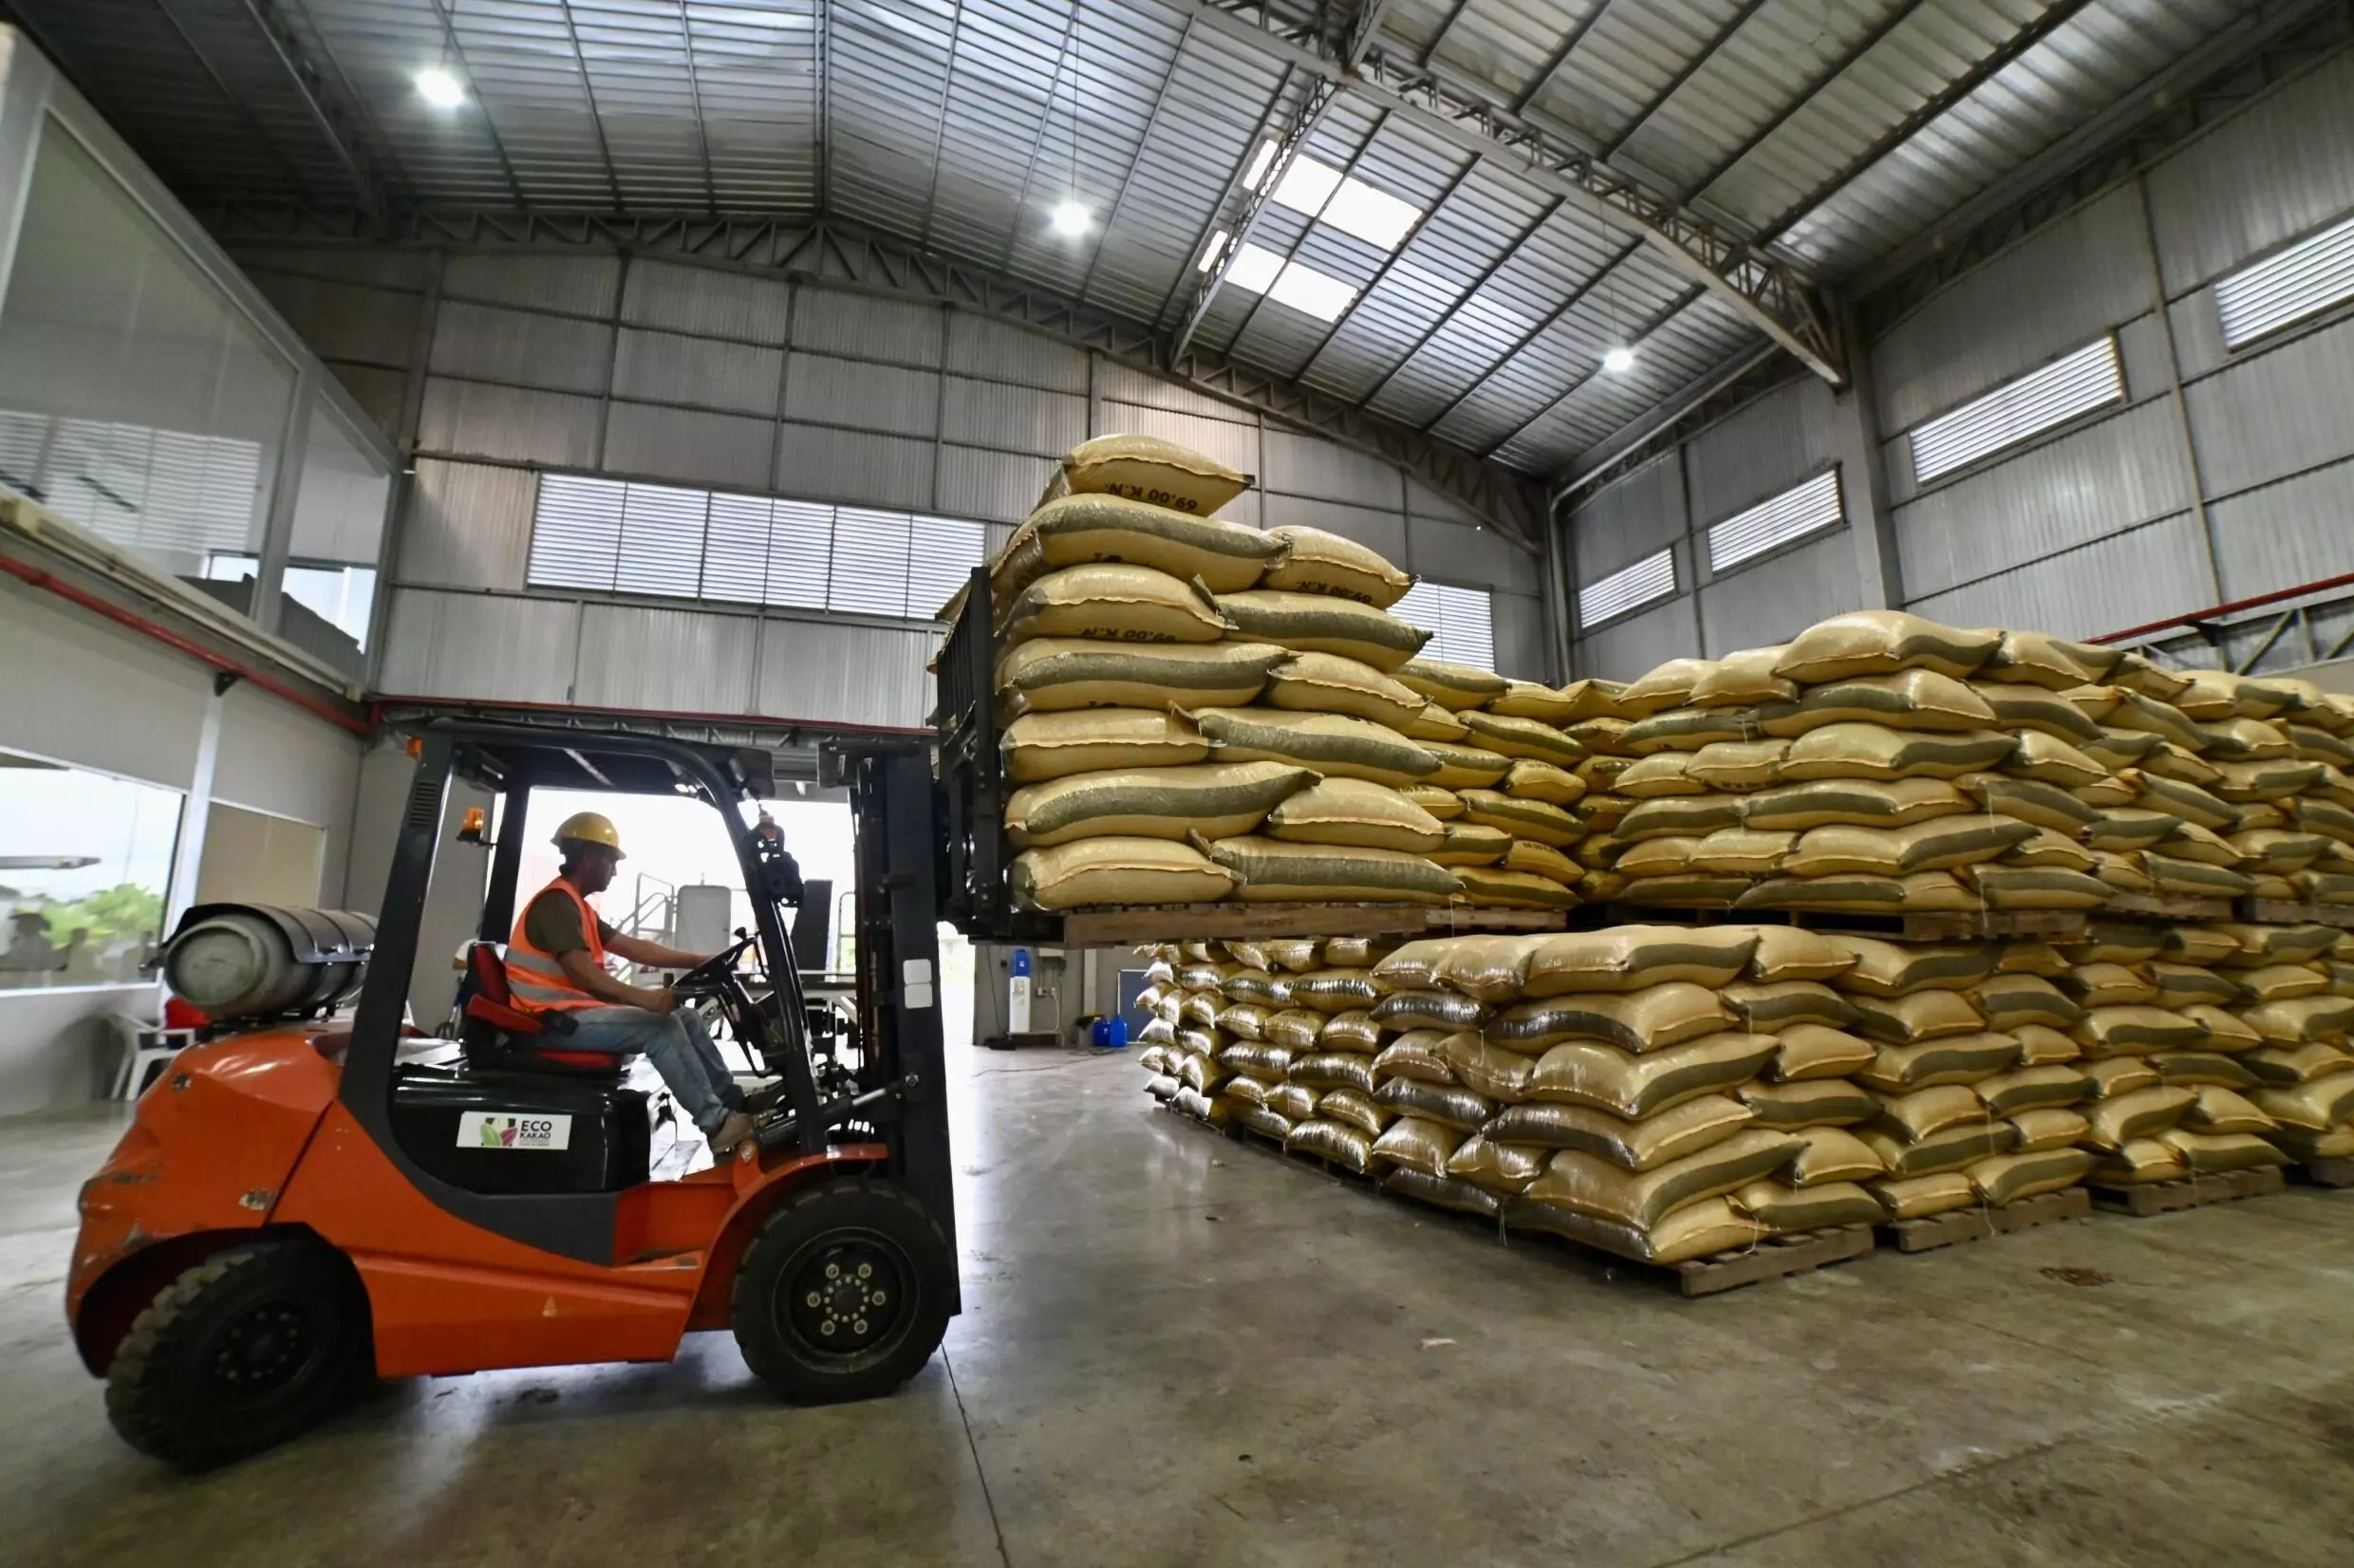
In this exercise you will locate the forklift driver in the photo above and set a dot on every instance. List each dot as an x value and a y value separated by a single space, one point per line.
555 963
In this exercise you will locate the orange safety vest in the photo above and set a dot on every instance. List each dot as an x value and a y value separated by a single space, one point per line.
535 977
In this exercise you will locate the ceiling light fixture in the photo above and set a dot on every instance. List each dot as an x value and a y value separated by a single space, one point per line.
1618 361
439 88
1257 171
1073 219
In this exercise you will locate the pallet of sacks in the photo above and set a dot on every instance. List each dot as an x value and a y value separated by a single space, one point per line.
1197 709
1880 762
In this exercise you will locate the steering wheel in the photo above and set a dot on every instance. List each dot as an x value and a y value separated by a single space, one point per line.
709 973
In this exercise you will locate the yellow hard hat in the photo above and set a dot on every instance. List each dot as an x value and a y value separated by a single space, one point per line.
591 828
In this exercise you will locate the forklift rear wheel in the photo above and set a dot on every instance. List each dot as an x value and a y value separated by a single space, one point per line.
243 1351
844 1294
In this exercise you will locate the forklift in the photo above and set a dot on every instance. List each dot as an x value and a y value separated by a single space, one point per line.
310 1199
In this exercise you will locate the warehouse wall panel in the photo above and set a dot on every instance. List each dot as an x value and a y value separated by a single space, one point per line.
706 300
1012 419
665 661
345 321
477 419
1772 600
469 525
1002 486
1306 465
858 325
870 397
696 372
521 347
495 646
1787 436
2115 475
1625 649
1625 521
2281 167
1449 552
382 395
1519 623
2054 291
573 284
2123 579
2298 530
2274 414
725 451
1119 382
850 674
275 759
1000 352
1422 501
841 465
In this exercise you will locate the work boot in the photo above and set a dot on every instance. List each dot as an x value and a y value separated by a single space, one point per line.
765 1098
739 1126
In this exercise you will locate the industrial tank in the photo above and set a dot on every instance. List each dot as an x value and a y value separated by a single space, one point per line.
256 961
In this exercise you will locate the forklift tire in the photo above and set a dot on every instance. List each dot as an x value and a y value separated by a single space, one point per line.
844 1293
243 1351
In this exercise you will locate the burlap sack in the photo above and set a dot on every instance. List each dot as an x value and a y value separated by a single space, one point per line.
1742 679
1219 800
1699 1230
1467 843
1415 1054
1317 623
1878 752
1502 888
1321 1069
1042 746
1117 604
1523 737
1057 674
1457 1108
1465 766
1418 1145
1331 991
1332 744
1355 1030
1770 1008
1665 686
2221 1110
1863 803
1343 1145
1881 642
1529 699
1443 804
1833 1154
1531 819
1632 1087
2048 1129
1808 1050
1531 779
1790 1210
1645 1144
1116 870
1451 686
1735 767
1950 1150
1328 683
2042 660
1817 1102
1910 700
1951 1059
1434 723
1917 1018
1351 811
2195 1069
1647 1019
2033 1089
2007 1178
1355 1108
2031 707
1444 1191
1104 525
1633 958
1314 561
1499 1167
1589 1184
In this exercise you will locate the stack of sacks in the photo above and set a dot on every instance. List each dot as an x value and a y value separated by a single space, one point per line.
1883 762
1195 709
2305 1086
1877 762
1964 1091
2255 1087
1591 1084
1507 782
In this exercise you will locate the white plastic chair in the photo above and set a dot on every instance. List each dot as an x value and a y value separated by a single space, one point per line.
148 1050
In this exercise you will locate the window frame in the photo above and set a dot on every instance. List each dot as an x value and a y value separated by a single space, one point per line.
2024 441
1676 586
1837 520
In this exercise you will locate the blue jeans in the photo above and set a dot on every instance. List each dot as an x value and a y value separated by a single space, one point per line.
677 1045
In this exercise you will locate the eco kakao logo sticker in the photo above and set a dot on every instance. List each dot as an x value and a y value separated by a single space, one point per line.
514 1130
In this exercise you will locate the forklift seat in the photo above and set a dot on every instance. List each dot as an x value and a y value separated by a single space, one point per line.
499 1035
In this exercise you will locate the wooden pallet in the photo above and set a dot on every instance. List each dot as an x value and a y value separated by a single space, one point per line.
1921 926
2266 911
1976 1225
2326 1172
1124 925
2191 1192
2172 906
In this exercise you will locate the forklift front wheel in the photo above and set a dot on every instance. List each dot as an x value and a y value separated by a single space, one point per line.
844 1294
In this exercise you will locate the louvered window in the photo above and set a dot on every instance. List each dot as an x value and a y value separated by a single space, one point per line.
2303 280
1461 620
1792 515
611 536
1627 589
2037 402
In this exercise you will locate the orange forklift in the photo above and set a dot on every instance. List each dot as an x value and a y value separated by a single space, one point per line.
314 1197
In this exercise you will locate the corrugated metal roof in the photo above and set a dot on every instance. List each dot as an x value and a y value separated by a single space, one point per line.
1834 131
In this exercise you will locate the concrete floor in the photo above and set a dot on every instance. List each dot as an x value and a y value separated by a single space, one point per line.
1175 1350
